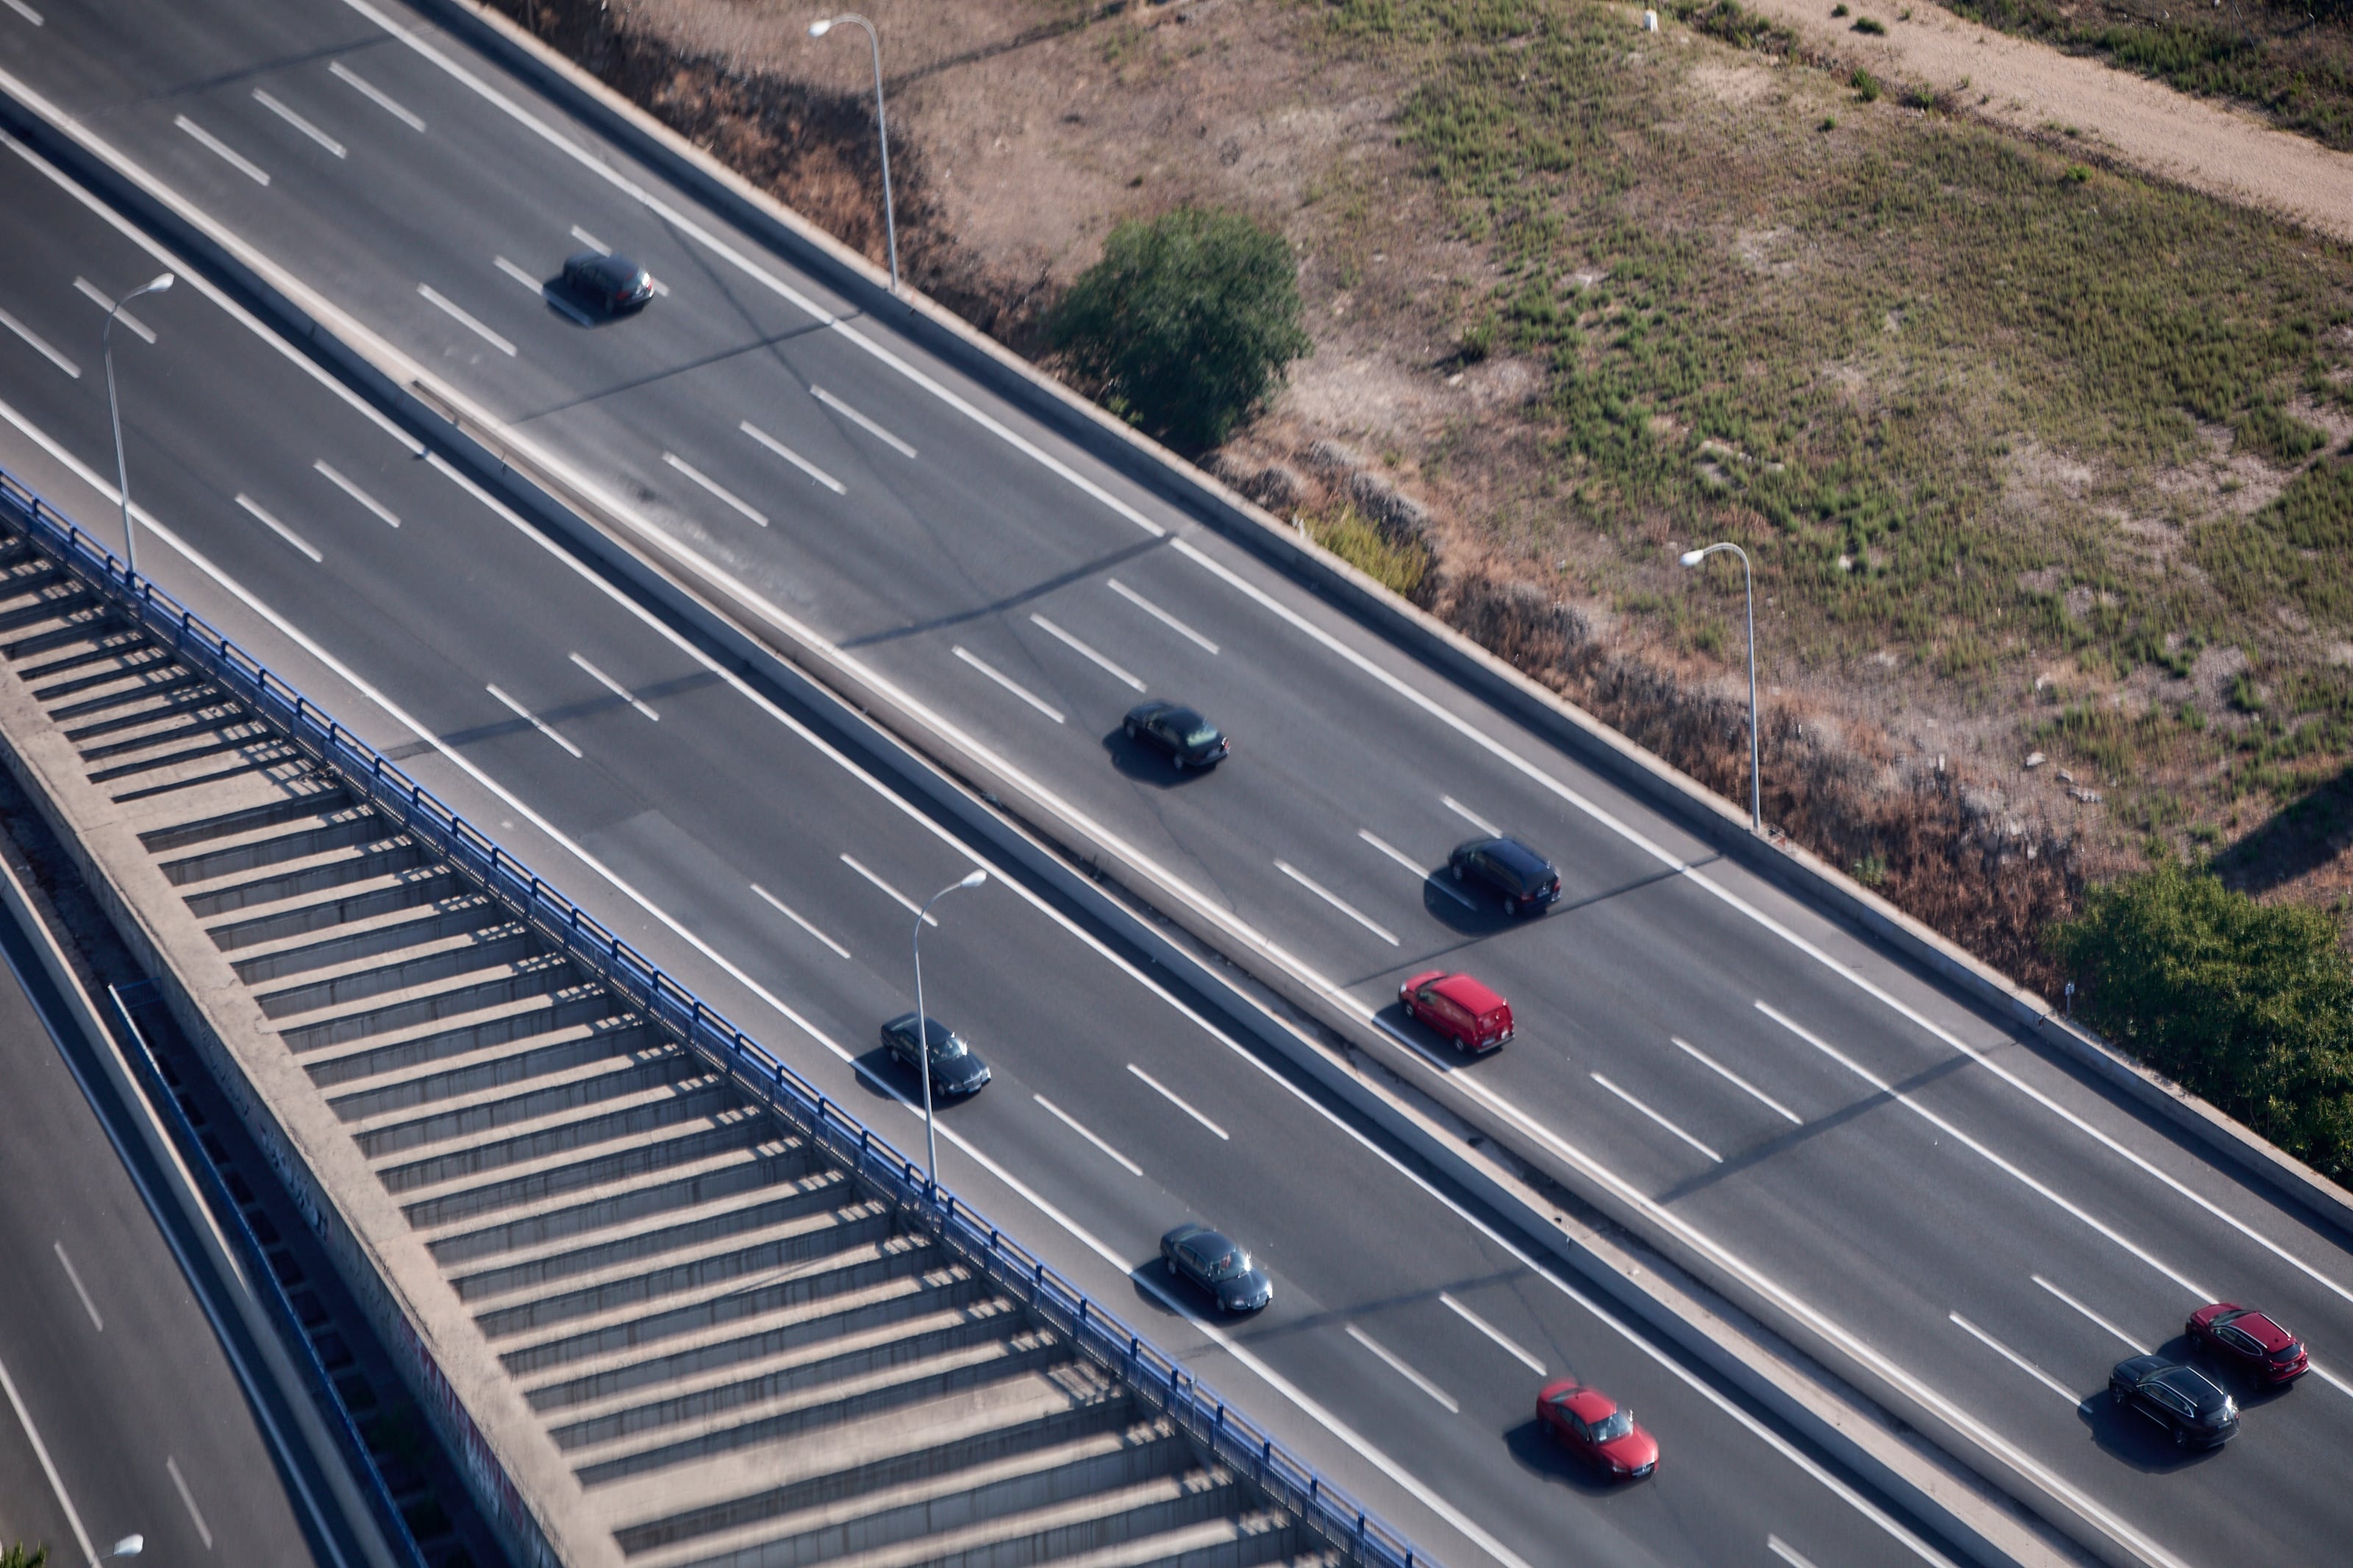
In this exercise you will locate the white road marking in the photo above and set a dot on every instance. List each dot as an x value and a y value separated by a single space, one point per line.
2095 1317
458 313
1404 1371
1734 1080
1786 1553
278 528
1158 614
2331 1379
519 274
902 900
1492 1332
1007 681
204 1530
1171 1096
298 124
79 1290
616 689
787 910
1423 872
1338 902
536 723
227 154
374 95
356 493
591 241
1471 816
23 10
1067 1120
39 345
715 488
1084 651
49 1466
1657 1118
795 458
2016 1360
99 297
863 423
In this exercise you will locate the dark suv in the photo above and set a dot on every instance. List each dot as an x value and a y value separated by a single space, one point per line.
1524 879
607 282
1191 740
2180 1399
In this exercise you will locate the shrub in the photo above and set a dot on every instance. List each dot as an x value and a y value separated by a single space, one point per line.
1871 25
1186 321
23 1556
1399 565
1865 85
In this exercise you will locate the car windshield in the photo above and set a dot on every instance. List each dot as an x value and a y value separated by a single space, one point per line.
942 1040
1617 1424
1231 1264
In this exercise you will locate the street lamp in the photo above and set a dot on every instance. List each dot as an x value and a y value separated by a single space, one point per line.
1756 795
121 474
923 1029
881 130
129 1545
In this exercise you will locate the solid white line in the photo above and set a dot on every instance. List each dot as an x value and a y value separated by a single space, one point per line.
1404 1371
715 488
1171 1096
1007 681
1084 651
855 417
305 127
902 900
615 688
1473 817
1787 1554
99 297
537 721
374 95
787 910
1734 1080
1333 898
1067 1120
2331 1379
518 274
2016 1360
1492 1332
795 458
1156 613
470 323
1657 1118
203 1529
71 1273
23 10
229 154
1423 872
2087 1311
39 346
278 528
49 1466
357 494
591 241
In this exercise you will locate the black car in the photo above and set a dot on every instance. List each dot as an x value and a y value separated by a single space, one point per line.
1191 740
607 282
1524 879
1220 1265
954 1070
2180 1399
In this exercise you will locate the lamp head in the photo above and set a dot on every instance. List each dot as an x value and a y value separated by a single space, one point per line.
974 880
819 29
159 286
1694 557
132 1545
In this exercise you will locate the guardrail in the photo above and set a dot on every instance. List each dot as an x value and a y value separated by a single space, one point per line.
1151 1374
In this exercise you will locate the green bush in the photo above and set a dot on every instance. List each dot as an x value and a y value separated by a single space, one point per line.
1186 321
23 1556
1865 85
2247 1005
1872 25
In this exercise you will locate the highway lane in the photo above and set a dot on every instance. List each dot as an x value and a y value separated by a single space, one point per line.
707 806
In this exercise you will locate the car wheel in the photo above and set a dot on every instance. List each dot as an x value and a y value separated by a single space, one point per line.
1131 730
1178 758
1456 871
2181 1437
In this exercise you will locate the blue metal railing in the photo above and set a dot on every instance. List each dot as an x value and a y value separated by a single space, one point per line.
1155 1378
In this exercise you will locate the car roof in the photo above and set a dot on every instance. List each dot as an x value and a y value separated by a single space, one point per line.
1518 856
2260 1326
1466 991
905 1023
1586 1404
2139 1368
2191 1384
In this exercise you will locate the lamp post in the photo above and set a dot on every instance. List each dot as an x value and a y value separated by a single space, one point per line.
114 411
882 130
923 1030
1755 794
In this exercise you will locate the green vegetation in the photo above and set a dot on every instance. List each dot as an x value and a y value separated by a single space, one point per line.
1400 567
1871 25
1185 322
22 1556
2249 1005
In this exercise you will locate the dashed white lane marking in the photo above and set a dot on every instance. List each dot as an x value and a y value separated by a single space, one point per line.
1402 859
795 458
105 301
74 1274
716 489
227 154
1158 614
204 1530
1403 1371
1084 651
459 314
1492 1332
616 689
1173 1097
521 275
591 241
374 95
1654 1116
787 910
23 10
1787 1554
1736 1081
1067 1120
902 900
357 494
536 723
40 345
298 122
1007 681
2016 1360
262 515
49 1466
2130 1342
1337 901
863 423
1471 816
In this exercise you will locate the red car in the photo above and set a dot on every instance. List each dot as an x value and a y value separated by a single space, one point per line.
2249 1341
1599 1428
1457 1007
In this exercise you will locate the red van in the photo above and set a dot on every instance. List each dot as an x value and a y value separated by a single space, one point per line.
1457 1007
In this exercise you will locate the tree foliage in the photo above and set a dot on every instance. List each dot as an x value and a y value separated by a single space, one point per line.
1186 321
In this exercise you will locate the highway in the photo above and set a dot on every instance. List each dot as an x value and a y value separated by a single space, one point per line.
1959 1211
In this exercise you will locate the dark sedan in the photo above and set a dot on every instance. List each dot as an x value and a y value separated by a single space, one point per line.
607 282
1523 879
2180 1399
956 1071
1191 740
2250 1341
1218 1265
